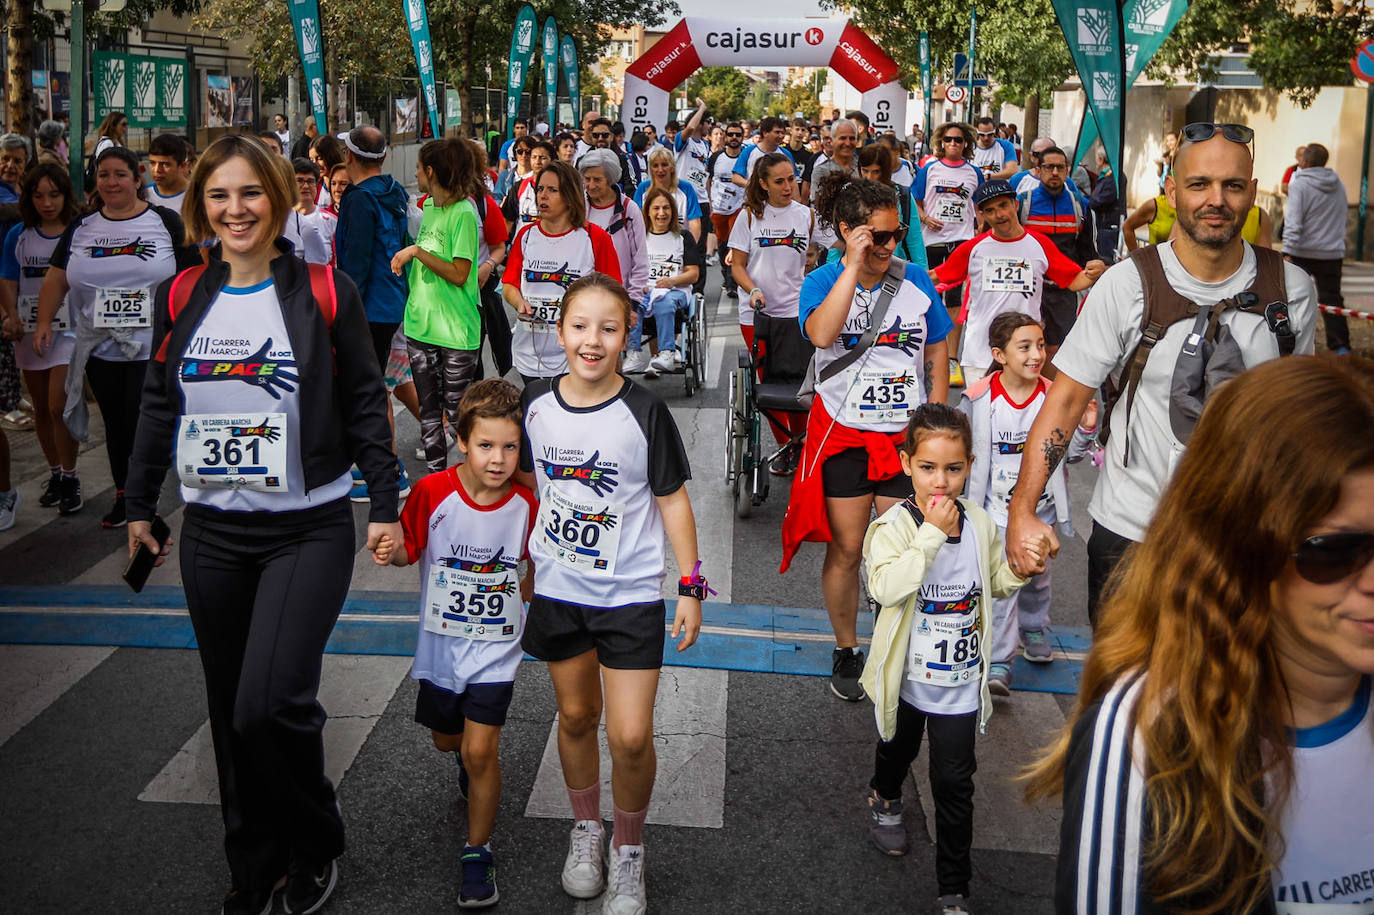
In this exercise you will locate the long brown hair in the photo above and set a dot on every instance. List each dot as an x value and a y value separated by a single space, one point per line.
570 187
1193 608
755 194
653 193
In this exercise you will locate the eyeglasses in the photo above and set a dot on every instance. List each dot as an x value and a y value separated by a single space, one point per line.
601 136
1053 167
522 152
959 140
882 237
987 133
1329 558
1200 132
733 133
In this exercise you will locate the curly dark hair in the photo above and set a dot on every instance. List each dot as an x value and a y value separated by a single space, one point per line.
839 198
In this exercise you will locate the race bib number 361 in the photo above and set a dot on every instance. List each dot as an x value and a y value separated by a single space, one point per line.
123 307
581 535
233 451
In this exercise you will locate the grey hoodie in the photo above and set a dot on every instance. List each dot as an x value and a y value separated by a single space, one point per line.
1314 219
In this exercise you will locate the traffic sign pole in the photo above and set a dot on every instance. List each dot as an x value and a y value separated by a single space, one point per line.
1362 65
972 41
77 144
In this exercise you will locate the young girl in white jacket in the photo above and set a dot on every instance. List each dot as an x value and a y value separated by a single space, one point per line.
1001 408
934 561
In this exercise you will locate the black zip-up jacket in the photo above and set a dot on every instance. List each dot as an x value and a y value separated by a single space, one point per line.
342 397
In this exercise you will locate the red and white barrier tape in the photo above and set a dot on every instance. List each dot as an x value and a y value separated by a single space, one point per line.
1347 312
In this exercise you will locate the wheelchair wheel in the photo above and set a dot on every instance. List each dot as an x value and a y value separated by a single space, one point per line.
700 356
689 355
737 428
744 496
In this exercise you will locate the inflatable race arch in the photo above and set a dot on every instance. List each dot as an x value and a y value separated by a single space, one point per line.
698 42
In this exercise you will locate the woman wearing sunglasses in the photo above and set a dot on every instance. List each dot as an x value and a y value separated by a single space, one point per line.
849 463
1220 756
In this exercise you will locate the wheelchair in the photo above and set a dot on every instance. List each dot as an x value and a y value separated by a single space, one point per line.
691 337
785 355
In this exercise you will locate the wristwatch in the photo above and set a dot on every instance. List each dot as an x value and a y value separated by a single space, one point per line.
694 585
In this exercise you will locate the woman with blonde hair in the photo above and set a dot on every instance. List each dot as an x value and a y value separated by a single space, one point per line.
663 174
1220 756
263 389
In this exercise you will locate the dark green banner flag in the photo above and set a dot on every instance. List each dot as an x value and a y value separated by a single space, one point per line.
521 53
926 84
567 51
550 57
1148 24
1093 29
305 19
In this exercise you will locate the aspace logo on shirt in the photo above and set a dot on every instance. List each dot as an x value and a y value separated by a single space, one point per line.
956 190
965 603
790 240
599 480
908 341
256 369
1011 447
491 566
143 250
563 276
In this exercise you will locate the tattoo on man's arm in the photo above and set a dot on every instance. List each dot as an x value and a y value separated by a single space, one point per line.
929 376
1055 447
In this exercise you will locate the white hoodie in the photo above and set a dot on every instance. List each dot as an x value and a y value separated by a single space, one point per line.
1314 219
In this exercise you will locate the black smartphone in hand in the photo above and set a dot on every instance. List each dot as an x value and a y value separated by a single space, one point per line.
141 563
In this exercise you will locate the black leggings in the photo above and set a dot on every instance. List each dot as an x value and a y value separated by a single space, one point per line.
118 388
1106 549
952 765
441 377
263 591
936 255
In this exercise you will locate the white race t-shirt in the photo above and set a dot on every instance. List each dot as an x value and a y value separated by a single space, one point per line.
692 155
32 253
240 419
113 267
1327 866
599 540
170 201
317 234
471 613
946 192
1010 423
544 266
726 196
775 244
945 644
1107 330
1003 276
991 160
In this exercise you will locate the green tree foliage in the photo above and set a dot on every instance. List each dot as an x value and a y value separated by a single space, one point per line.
1296 46
798 96
723 89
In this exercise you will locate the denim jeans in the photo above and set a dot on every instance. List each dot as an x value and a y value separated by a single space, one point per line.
664 310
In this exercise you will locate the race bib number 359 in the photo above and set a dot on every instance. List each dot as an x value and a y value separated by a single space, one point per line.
233 451
580 535
483 606
123 307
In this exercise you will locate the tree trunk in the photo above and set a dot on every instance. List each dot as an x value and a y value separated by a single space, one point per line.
19 82
1030 131
467 27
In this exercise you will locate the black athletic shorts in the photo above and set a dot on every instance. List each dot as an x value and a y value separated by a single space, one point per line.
1059 309
628 637
845 475
440 710
382 333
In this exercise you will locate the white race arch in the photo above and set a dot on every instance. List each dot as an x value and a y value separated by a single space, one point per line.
698 42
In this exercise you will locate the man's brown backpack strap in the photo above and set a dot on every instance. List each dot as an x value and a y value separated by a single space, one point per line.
1164 307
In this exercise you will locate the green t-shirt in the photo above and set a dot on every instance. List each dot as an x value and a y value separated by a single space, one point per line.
438 312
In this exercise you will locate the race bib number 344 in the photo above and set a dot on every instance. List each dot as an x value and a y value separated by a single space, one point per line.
123 307
233 451
580 535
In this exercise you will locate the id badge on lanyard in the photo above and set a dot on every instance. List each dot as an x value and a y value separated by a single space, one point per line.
944 648
233 451
582 535
120 307
482 606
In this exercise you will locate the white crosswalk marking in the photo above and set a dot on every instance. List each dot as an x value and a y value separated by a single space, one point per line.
32 677
354 690
689 737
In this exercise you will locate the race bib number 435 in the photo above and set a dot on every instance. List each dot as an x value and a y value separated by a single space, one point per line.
581 535
233 451
123 307
879 396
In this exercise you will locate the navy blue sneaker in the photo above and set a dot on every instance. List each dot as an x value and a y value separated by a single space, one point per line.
479 879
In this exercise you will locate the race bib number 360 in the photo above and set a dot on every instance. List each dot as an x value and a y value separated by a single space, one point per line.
233 451
879 396
123 307
581 535
483 606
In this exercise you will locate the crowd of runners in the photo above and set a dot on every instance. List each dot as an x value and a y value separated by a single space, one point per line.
244 319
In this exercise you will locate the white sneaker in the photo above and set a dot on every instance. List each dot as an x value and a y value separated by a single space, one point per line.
636 361
627 883
9 507
664 362
584 871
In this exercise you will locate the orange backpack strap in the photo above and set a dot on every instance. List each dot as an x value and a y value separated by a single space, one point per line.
177 297
326 295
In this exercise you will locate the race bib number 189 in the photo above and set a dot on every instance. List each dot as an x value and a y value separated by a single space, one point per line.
944 648
123 307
